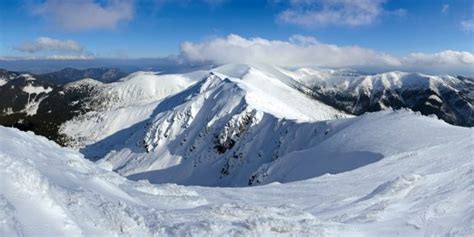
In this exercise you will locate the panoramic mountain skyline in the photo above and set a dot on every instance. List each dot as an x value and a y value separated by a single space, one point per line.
236 118
381 35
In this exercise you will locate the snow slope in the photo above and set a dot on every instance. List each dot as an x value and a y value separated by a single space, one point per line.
421 186
119 105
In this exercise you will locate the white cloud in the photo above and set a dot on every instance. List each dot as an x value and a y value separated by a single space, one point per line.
302 40
311 13
68 57
300 51
49 57
468 25
444 61
46 43
80 15
445 8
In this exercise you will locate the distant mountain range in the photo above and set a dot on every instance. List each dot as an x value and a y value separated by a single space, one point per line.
67 75
451 98
41 66
53 100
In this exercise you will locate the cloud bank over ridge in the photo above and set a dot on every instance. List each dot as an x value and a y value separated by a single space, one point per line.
304 51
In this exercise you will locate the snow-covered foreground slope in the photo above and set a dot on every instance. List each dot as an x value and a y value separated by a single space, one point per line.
423 185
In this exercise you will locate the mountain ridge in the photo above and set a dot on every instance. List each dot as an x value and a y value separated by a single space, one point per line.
224 122
451 103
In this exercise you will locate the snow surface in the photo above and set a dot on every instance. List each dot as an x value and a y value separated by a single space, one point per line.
34 97
31 108
144 87
28 77
416 179
83 83
30 89
3 81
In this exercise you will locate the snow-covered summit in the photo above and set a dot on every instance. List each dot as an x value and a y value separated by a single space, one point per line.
143 87
141 92
212 121
274 94
86 82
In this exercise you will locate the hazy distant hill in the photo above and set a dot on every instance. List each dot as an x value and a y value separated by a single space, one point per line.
67 75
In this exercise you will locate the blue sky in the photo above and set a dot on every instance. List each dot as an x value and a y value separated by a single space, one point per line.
157 28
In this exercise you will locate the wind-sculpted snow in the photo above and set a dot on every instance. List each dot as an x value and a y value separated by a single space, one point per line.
423 186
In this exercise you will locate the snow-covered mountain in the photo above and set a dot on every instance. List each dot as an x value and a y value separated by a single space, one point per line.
450 98
231 127
317 170
133 98
119 105
33 104
219 131
41 103
382 174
